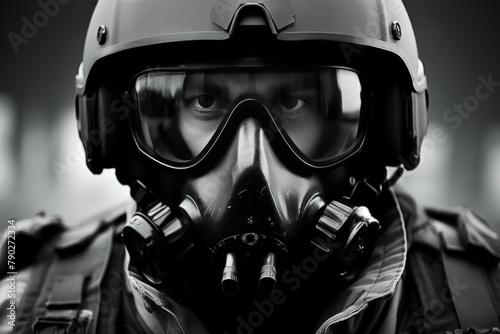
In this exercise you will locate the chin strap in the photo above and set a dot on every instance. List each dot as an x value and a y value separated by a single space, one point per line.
391 181
367 191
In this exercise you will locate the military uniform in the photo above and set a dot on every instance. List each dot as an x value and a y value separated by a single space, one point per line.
432 271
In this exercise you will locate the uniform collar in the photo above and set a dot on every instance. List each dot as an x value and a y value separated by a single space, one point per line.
375 284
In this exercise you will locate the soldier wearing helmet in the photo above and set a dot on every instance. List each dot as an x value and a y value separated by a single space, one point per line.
255 138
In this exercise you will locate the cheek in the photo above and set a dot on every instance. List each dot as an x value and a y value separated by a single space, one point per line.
196 133
306 133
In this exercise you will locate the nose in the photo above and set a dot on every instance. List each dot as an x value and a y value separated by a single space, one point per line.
252 148
254 166
251 156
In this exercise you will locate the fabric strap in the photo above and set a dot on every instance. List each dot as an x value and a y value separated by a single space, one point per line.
72 289
472 300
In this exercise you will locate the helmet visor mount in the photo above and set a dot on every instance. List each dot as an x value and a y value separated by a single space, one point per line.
319 113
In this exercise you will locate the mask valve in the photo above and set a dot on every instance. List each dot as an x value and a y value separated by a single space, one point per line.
230 282
267 281
244 254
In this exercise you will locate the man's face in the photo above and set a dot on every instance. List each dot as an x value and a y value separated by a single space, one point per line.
293 99
259 120
243 129
318 112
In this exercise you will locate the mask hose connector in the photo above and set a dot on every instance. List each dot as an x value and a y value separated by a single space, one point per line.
230 282
347 234
267 281
158 242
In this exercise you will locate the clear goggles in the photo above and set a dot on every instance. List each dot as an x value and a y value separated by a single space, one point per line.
318 114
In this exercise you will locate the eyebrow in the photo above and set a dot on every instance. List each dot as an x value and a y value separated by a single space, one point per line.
195 81
205 82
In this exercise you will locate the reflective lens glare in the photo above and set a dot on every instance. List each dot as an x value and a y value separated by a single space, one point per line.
318 111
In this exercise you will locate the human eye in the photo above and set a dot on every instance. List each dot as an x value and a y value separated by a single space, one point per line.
292 106
292 103
205 101
207 106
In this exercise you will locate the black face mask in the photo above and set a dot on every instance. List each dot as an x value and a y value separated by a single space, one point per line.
252 196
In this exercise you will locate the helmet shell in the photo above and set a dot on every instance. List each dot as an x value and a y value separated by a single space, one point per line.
139 23
118 27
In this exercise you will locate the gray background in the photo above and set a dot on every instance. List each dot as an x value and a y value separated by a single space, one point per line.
458 40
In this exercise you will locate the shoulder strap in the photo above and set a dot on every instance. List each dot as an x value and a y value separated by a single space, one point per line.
466 247
66 308
472 300
28 235
65 296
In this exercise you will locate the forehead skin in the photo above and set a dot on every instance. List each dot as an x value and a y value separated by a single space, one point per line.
231 85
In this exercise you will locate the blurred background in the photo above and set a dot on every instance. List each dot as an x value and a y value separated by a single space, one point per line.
42 165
